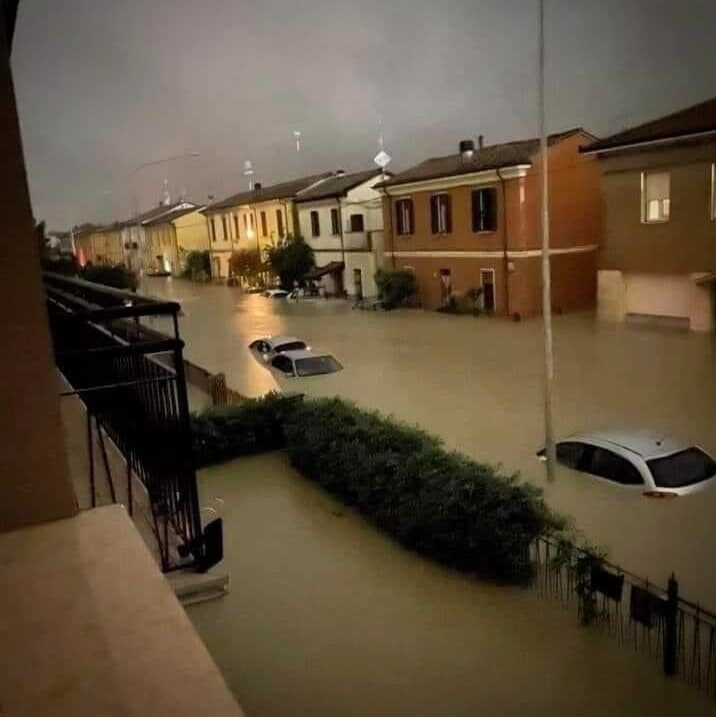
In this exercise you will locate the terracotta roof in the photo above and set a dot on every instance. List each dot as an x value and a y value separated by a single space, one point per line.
170 216
495 156
284 190
338 185
692 120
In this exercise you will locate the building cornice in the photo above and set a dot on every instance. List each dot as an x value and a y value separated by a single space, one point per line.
472 179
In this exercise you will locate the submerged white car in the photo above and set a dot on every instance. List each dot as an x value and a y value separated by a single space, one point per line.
297 364
659 467
269 345
275 293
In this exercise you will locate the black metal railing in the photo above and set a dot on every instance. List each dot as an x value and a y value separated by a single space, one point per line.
133 386
656 621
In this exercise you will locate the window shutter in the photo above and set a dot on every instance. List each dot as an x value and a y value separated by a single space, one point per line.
490 210
476 211
434 214
411 217
448 213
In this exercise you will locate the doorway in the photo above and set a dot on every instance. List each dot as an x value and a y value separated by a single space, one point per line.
216 267
487 281
358 284
445 285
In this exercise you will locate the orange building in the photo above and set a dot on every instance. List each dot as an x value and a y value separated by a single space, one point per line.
471 220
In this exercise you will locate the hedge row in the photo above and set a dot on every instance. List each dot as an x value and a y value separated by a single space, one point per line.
444 505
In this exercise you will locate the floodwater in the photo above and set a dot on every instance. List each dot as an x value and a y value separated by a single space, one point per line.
327 616
477 382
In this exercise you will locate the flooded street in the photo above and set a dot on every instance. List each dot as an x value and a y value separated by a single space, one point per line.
478 384
326 616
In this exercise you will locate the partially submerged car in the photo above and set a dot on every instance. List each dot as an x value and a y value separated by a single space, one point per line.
269 345
298 364
658 466
275 293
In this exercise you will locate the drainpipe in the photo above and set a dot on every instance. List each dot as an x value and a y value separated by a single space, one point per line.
505 256
343 248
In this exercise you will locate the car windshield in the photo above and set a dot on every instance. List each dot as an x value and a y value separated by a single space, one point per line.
291 346
316 365
682 469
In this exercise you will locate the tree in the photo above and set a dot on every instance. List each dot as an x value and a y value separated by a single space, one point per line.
246 264
290 259
197 266
395 286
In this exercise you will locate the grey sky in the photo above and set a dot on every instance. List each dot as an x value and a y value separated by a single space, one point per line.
104 85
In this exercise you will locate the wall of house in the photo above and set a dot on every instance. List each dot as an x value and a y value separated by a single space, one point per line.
687 241
106 247
192 234
162 248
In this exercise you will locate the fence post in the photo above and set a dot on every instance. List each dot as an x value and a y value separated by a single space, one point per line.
670 626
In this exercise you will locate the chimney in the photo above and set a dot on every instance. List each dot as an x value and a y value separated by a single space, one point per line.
467 149
340 172
257 185
480 143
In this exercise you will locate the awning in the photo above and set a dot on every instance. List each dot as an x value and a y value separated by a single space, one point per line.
705 278
333 267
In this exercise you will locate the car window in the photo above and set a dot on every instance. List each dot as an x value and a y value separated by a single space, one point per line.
282 363
291 346
317 365
569 453
682 468
609 465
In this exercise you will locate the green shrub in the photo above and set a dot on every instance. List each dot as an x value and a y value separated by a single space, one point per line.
117 276
395 286
197 266
457 511
252 426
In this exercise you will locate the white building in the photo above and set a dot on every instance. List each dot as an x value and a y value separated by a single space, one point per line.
341 218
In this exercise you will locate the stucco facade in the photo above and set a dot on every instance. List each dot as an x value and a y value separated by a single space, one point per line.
505 259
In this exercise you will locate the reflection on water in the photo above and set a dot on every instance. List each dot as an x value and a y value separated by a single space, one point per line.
478 384
328 617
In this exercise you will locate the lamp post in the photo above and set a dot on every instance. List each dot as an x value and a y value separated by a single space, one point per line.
550 452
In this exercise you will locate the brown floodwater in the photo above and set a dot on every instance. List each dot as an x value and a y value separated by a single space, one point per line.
478 384
326 616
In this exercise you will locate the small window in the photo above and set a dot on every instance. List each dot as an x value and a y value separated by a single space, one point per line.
279 222
284 364
246 222
224 227
236 226
655 197
484 215
264 225
212 228
682 468
290 346
404 217
605 464
315 224
335 223
357 223
440 215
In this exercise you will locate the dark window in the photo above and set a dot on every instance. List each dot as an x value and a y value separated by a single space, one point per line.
315 224
317 365
283 363
223 226
605 464
212 228
279 222
357 223
236 226
569 453
290 346
264 226
335 223
251 220
484 210
404 217
440 219
681 469
246 222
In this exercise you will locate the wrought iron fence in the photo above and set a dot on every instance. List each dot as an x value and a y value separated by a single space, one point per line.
139 401
655 621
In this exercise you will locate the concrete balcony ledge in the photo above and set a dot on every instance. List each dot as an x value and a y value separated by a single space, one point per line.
91 627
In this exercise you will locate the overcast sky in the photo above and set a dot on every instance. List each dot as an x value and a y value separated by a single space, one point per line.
104 85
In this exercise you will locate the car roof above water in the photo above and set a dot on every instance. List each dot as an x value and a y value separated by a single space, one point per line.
645 443
296 355
275 340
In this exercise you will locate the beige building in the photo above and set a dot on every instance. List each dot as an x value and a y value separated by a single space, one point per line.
658 256
171 236
253 220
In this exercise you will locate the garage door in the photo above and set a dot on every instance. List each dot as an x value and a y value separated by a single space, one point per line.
663 296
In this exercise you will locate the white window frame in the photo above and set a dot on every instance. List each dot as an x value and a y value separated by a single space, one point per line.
483 271
644 209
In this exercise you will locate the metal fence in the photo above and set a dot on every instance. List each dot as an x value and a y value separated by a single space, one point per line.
674 632
138 401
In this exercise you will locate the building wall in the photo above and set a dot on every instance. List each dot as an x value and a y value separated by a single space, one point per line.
162 254
106 247
513 248
687 241
192 234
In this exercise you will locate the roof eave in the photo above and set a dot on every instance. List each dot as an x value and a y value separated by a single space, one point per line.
671 139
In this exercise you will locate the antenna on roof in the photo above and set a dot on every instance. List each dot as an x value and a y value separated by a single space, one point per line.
166 197
382 159
297 137
249 172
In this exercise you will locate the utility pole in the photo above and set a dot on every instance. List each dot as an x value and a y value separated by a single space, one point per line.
546 271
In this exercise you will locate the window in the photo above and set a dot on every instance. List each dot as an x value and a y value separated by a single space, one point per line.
317 365
605 464
224 227
236 226
484 214
315 224
212 228
284 364
404 217
335 223
569 453
655 196
246 223
251 221
440 219
264 225
279 222
357 223
682 468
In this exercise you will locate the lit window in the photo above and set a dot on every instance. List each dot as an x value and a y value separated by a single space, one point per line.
655 196
404 216
440 219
